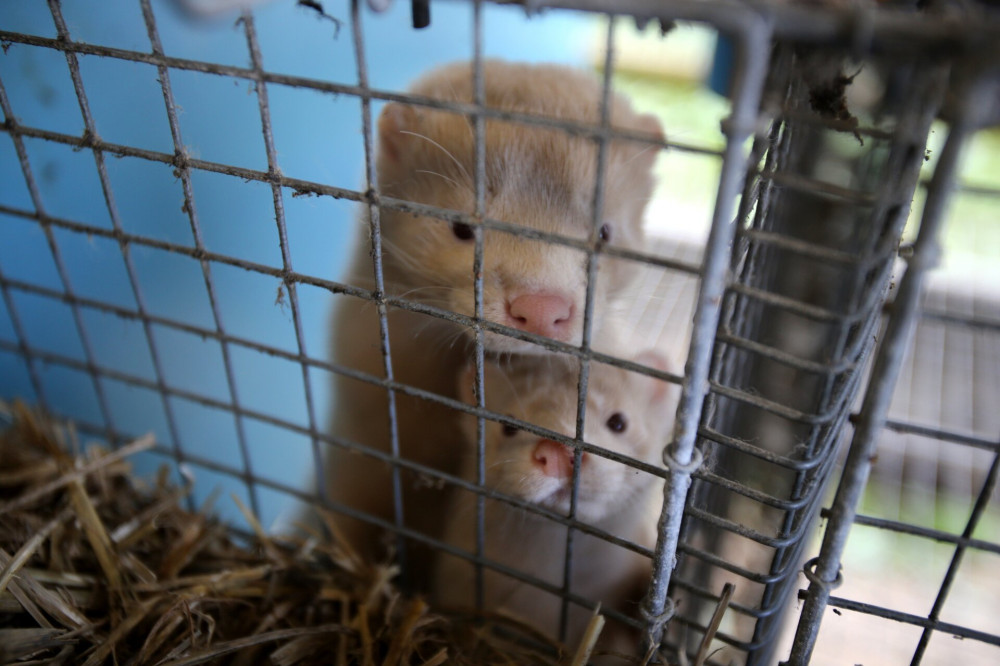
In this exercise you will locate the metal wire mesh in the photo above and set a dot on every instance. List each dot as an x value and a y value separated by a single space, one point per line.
789 306
797 402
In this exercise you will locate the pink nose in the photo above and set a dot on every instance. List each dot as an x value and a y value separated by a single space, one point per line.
545 313
554 459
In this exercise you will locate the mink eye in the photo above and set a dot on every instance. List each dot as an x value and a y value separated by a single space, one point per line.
462 231
604 233
509 430
617 423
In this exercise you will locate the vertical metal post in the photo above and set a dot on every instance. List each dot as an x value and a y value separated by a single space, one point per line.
23 345
374 222
116 223
61 269
823 572
985 493
479 130
274 171
181 161
681 457
583 381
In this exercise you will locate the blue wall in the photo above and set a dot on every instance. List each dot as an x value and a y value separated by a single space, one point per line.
318 138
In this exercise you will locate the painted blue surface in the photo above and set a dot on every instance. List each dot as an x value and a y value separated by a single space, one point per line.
318 137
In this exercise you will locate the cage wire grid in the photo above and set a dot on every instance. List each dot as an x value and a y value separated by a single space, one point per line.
743 295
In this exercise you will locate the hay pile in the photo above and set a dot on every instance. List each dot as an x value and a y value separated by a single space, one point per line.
96 568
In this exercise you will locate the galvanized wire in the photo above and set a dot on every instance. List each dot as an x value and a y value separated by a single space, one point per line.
681 458
36 201
184 173
479 134
730 298
825 575
277 195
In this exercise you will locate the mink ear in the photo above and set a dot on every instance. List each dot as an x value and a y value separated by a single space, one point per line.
394 120
661 390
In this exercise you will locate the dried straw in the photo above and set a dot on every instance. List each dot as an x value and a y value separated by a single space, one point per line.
99 568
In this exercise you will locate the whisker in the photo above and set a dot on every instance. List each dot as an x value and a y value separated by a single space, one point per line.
440 175
639 154
425 298
442 148
403 257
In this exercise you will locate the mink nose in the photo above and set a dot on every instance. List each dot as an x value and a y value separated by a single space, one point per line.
544 313
554 459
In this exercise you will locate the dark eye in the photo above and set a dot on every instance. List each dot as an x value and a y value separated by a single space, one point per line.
604 233
617 423
509 430
462 231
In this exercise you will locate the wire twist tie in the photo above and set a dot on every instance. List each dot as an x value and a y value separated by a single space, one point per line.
809 569
657 622
697 458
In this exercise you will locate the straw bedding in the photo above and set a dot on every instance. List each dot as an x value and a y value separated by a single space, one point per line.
97 567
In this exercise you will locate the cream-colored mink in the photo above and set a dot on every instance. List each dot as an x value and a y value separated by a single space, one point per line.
536 177
627 413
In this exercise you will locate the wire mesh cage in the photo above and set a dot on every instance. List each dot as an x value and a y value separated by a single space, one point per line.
793 318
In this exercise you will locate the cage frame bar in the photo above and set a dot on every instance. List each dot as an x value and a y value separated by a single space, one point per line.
752 38
880 387
869 31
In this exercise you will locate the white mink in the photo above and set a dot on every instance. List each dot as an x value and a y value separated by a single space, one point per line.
627 413
537 177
